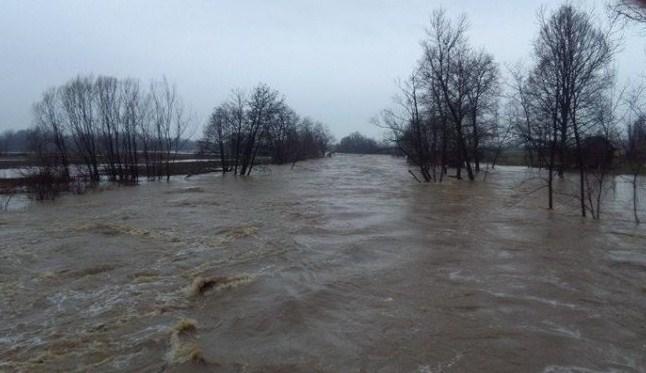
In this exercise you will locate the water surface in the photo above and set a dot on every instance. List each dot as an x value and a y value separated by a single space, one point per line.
342 264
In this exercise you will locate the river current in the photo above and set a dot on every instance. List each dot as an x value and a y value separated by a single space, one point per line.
344 264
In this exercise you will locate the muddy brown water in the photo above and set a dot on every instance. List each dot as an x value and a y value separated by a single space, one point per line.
337 265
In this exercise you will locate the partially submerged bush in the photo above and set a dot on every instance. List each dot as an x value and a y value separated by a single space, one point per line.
45 183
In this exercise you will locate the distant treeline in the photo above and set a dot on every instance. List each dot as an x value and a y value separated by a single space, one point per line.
356 143
95 128
14 141
248 126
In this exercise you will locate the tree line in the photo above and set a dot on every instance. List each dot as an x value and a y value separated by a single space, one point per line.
95 126
92 128
565 110
260 124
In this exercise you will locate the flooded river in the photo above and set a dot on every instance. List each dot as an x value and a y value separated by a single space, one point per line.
337 265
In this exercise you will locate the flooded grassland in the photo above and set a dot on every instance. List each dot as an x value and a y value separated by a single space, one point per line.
341 264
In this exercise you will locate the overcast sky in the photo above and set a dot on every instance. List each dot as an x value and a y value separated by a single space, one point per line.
336 60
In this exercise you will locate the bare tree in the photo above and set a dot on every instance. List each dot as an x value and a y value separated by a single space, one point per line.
599 150
636 157
109 119
216 134
238 115
446 109
409 131
132 118
572 56
635 143
481 95
281 134
169 123
263 104
79 104
522 111
446 63
503 133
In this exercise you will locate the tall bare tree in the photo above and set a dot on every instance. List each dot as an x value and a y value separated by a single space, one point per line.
49 120
572 58
481 96
447 64
170 124
78 100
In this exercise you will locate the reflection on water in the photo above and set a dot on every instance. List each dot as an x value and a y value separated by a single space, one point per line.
341 264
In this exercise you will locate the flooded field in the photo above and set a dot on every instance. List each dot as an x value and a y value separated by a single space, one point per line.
343 264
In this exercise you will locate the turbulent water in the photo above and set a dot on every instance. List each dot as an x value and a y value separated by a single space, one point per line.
343 264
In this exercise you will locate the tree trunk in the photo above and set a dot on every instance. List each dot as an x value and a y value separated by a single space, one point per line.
476 142
581 165
465 154
635 194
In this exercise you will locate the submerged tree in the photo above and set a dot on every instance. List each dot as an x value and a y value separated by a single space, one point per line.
571 70
415 138
447 107
107 126
447 67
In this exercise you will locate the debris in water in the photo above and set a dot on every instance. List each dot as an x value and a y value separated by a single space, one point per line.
237 233
201 285
183 347
192 189
242 232
145 277
90 271
185 326
113 229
